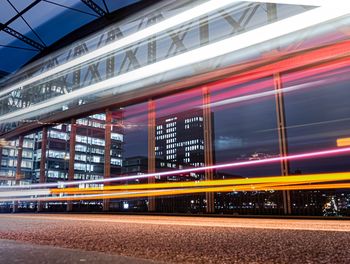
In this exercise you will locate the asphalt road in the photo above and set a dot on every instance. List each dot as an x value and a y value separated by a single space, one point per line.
186 239
22 252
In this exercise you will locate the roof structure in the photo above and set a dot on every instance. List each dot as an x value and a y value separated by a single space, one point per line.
29 28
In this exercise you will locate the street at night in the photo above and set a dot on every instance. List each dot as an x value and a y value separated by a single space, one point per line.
163 131
174 239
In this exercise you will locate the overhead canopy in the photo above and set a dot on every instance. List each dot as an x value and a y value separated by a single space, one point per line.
29 27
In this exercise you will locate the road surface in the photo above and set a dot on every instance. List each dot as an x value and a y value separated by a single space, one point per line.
171 239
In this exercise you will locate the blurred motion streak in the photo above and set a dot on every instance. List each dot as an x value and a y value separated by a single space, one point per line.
308 155
273 183
343 142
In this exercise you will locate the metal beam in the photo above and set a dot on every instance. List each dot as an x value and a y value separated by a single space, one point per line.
208 147
282 137
0 156
72 136
19 14
107 160
151 150
256 70
21 37
18 175
42 172
104 3
94 7
281 119
70 8
6 178
19 159
16 47
152 43
25 21
5 27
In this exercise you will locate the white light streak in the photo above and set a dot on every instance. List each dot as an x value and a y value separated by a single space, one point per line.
280 28
295 2
23 193
263 94
164 25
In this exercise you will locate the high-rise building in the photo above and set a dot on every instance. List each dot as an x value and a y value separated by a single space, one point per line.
9 158
180 144
88 159
180 138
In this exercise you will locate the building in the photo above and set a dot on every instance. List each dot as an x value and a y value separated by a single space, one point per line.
180 144
89 135
180 138
270 97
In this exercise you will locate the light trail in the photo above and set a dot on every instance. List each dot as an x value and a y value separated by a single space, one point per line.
71 191
292 179
295 2
262 94
311 181
23 193
280 28
182 191
164 25
308 155
171 192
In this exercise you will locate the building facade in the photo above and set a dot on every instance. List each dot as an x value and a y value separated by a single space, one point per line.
199 91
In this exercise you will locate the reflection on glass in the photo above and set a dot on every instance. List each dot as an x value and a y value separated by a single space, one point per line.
316 118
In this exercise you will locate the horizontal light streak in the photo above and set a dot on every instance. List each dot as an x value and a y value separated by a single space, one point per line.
343 142
167 192
263 94
164 25
293 179
182 191
312 187
145 187
23 193
265 33
295 2
308 155
258 183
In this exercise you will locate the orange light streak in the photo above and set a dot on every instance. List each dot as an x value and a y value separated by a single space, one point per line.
294 179
121 195
343 142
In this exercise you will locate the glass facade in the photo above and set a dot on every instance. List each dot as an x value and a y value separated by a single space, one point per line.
243 129
260 112
317 117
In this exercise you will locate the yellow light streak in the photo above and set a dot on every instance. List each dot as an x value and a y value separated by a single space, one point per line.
166 192
294 179
343 142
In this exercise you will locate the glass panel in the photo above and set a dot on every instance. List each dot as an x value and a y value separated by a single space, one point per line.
8 157
58 16
244 117
179 144
129 151
90 147
318 115
7 12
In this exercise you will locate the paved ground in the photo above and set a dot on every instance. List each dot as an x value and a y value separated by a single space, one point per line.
187 239
23 252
